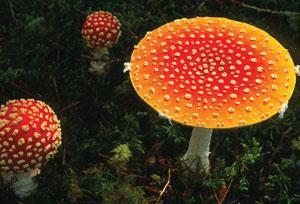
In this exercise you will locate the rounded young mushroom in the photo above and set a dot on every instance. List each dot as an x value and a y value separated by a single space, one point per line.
101 30
210 72
29 136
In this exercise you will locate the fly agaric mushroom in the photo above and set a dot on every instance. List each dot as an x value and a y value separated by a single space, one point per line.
210 72
29 136
101 30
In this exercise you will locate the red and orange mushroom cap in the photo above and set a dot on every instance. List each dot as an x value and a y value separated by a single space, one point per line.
29 135
212 72
101 29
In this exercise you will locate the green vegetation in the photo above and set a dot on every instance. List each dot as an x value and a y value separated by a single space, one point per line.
115 148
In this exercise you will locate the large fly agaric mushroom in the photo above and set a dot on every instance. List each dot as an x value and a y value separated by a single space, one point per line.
101 30
29 136
210 72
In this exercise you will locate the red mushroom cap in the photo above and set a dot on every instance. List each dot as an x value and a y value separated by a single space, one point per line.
212 72
101 29
29 135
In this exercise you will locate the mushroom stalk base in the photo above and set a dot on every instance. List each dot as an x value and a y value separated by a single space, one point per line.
25 183
98 67
196 157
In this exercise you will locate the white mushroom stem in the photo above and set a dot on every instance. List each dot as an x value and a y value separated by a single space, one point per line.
25 183
196 157
98 66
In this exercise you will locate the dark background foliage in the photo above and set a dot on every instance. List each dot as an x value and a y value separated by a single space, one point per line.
115 148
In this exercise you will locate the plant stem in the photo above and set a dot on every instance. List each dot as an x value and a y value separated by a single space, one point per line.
198 150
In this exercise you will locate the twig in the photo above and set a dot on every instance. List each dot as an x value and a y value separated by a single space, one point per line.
56 89
216 197
65 145
165 186
136 176
112 61
22 89
226 192
132 33
276 150
64 155
221 200
58 45
89 57
287 13
12 10
102 59
73 104
151 189
202 4
197 8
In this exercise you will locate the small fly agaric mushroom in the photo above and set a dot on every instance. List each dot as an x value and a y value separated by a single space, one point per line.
101 30
29 136
210 72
